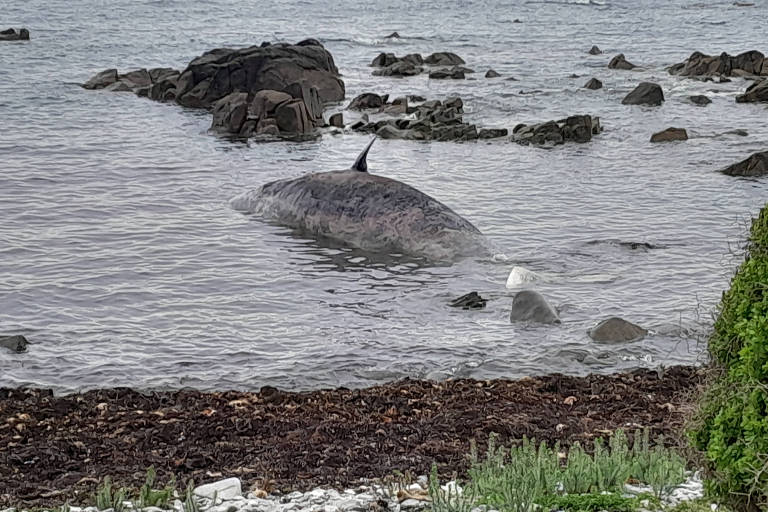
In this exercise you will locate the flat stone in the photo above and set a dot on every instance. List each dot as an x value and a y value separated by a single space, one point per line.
617 330
670 135
223 489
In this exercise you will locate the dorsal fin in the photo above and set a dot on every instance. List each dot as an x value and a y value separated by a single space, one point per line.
360 164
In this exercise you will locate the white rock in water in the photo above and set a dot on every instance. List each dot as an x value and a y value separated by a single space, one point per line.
520 276
223 489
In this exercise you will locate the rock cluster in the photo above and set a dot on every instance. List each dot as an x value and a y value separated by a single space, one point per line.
758 91
427 120
297 79
749 63
755 165
413 64
575 128
11 35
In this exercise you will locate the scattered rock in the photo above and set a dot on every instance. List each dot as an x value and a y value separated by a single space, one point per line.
336 120
758 91
472 300
393 35
491 74
669 135
365 101
399 69
222 490
699 100
17 343
593 84
444 59
520 276
620 62
616 330
647 93
11 35
456 73
700 64
384 59
740 132
492 133
595 50
531 306
575 128
755 165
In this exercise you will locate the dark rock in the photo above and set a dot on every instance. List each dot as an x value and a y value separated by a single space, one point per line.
11 35
593 84
220 72
670 135
647 93
229 113
336 120
575 128
517 20
595 50
699 64
454 102
400 68
699 100
758 91
264 103
616 330
738 131
472 300
267 126
531 306
310 42
17 343
619 62
164 81
755 165
292 117
453 73
392 132
366 100
136 79
393 35
492 133
444 59
310 96
456 132
431 104
491 74
416 98
414 58
384 59
119 86
101 80
511 79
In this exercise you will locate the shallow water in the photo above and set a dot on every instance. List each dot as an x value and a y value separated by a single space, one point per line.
123 263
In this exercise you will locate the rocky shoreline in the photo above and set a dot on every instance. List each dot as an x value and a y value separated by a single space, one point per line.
55 449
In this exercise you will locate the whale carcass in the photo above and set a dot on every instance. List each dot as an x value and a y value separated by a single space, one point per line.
366 211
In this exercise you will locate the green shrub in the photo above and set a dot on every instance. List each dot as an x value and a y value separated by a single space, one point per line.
731 426
591 503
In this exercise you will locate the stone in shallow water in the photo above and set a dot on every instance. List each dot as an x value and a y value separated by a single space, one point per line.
646 93
755 165
531 306
617 330
593 84
17 343
471 300
669 135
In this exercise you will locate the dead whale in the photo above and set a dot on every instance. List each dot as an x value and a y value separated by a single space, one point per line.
366 211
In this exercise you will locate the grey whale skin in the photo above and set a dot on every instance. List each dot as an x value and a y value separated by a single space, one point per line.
366 211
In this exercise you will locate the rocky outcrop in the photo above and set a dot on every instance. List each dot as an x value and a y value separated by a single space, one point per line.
751 63
758 91
11 35
616 330
755 165
620 62
575 128
17 343
595 50
647 93
389 64
531 306
700 100
366 100
157 83
670 135
593 84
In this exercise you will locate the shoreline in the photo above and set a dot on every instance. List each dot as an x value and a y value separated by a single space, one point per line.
56 448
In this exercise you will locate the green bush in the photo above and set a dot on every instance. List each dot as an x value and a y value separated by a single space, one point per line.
731 426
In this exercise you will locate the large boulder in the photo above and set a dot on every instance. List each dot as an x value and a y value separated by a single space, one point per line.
575 128
669 135
700 100
531 306
620 62
17 343
365 101
265 103
616 330
443 59
383 60
755 165
311 97
292 117
647 93
220 72
700 64
11 35
230 113
758 91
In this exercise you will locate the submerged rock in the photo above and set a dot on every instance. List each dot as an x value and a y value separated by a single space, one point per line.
620 62
531 306
699 100
17 343
758 91
11 35
669 135
456 73
699 64
755 165
393 35
492 133
336 120
444 59
616 330
595 50
471 300
575 128
646 93
367 100
593 84
491 74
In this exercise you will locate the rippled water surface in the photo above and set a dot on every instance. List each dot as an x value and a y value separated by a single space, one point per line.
123 263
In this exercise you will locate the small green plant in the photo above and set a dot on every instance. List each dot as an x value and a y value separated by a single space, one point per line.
657 466
450 500
151 497
107 497
590 503
190 503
